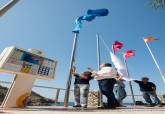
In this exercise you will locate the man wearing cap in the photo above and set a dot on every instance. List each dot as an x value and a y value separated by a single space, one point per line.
149 90
81 88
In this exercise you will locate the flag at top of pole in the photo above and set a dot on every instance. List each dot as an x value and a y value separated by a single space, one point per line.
128 54
147 39
116 46
91 15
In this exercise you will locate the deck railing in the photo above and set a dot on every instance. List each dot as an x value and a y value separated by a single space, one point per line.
58 90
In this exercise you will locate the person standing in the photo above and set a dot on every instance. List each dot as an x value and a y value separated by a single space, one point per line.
81 89
148 90
106 80
119 90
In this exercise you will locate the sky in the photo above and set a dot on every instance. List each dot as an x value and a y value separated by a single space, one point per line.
47 25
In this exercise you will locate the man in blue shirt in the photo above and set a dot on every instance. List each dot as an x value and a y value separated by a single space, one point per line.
149 90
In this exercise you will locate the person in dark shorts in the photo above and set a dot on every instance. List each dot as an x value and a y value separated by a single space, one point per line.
148 90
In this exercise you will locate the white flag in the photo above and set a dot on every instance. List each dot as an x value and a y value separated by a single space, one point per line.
163 78
120 66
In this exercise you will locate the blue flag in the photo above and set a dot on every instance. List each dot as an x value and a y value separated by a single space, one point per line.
91 15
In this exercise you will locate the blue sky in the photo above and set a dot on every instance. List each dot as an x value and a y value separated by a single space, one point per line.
47 25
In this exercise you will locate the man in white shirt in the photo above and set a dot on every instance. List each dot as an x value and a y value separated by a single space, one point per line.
106 80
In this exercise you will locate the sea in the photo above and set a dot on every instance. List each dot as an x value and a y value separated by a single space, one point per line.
62 104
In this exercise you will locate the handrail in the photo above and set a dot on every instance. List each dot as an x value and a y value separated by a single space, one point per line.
57 90
38 86
47 87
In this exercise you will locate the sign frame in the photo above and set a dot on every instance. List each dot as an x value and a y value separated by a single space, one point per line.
6 54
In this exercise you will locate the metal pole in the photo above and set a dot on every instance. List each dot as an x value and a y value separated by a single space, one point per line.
7 6
98 65
57 95
98 51
156 63
130 83
66 99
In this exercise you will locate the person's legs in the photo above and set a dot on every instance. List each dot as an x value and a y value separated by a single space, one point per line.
107 90
84 90
113 101
120 93
116 92
155 98
147 98
76 95
101 86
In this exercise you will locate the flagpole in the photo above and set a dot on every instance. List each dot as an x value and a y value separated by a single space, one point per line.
98 51
113 51
130 83
156 63
7 6
98 66
67 93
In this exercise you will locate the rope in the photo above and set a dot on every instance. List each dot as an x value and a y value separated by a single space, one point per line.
104 43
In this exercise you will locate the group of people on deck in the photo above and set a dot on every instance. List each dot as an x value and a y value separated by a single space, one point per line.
111 85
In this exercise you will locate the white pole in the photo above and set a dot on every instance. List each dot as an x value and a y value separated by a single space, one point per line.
7 6
156 63
98 51
130 83
98 64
